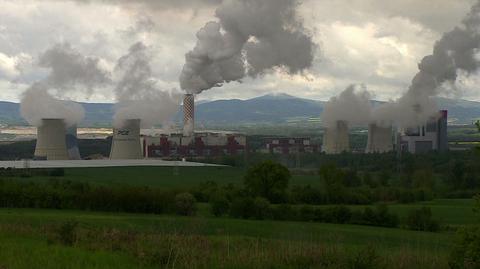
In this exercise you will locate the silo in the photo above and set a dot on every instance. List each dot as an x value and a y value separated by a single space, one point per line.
51 140
188 114
72 143
379 139
336 139
126 141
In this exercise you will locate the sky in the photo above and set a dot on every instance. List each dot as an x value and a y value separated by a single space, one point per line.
377 43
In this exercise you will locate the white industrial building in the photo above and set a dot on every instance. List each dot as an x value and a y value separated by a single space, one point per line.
126 141
380 139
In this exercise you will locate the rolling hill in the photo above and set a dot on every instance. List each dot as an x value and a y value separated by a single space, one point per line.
265 109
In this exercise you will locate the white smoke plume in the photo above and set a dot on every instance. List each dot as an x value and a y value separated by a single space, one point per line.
352 105
137 94
457 50
249 38
69 71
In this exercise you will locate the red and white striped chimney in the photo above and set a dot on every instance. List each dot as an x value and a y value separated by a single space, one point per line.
188 114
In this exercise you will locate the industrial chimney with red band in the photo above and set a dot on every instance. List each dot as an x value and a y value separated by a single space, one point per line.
188 114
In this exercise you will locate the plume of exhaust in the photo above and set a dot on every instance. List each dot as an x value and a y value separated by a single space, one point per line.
69 71
352 106
138 96
456 50
250 37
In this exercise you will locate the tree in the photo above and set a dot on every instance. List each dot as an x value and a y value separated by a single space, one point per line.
478 125
268 180
333 178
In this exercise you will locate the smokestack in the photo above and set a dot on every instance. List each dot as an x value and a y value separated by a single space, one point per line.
379 139
51 142
72 143
188 114
336 139
126 141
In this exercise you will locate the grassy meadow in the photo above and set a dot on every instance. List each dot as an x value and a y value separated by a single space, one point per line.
35 238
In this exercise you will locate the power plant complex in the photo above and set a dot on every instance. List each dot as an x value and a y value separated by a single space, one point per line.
57 141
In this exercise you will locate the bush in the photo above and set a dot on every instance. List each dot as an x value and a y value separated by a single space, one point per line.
67 233
219 205
307 213
421 220
466 252
57 172
185 204
262 208
284 212
242 208
337 214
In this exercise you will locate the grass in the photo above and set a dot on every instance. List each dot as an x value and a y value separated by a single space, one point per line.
31 252
165 177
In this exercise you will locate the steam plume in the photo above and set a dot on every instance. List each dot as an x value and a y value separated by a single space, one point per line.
456 50
352 105
137 93
249 38
69 70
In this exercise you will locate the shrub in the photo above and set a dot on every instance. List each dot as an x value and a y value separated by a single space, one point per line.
185 204
307 213
366 258
262 208
219 204
284 212
421 220
466 252
337 214
57 172
242 208
67 233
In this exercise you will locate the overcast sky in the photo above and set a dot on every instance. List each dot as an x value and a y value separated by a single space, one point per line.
375 42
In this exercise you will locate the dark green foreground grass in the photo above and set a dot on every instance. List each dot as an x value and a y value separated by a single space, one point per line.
166 177
28 249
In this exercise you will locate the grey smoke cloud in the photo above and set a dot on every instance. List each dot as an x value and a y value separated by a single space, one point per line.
456 51
352 105
69 71
249 38
138 96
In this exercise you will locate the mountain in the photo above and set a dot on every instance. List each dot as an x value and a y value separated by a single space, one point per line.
278 108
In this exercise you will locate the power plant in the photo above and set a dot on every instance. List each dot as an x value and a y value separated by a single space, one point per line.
380 139
51 140
126 141
336 139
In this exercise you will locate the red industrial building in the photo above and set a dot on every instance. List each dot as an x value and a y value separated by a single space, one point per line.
290 145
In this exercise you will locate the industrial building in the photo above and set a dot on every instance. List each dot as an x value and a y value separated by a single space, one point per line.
380 139
72 143
289 145
201 144
126 141
336 139
432 136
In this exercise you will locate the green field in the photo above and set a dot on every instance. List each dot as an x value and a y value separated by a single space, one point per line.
166 177
29 248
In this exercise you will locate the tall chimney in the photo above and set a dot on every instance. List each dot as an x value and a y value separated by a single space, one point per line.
188 114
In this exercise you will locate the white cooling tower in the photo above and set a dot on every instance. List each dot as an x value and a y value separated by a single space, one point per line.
336 139
72 143
188 114
126 141
379 139
51 140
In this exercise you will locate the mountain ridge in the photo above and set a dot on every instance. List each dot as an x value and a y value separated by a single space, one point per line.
270 108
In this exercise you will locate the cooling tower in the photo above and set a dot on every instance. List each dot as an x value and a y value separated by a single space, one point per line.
335 139
51 140
379 139
126 141
188 114
72 143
